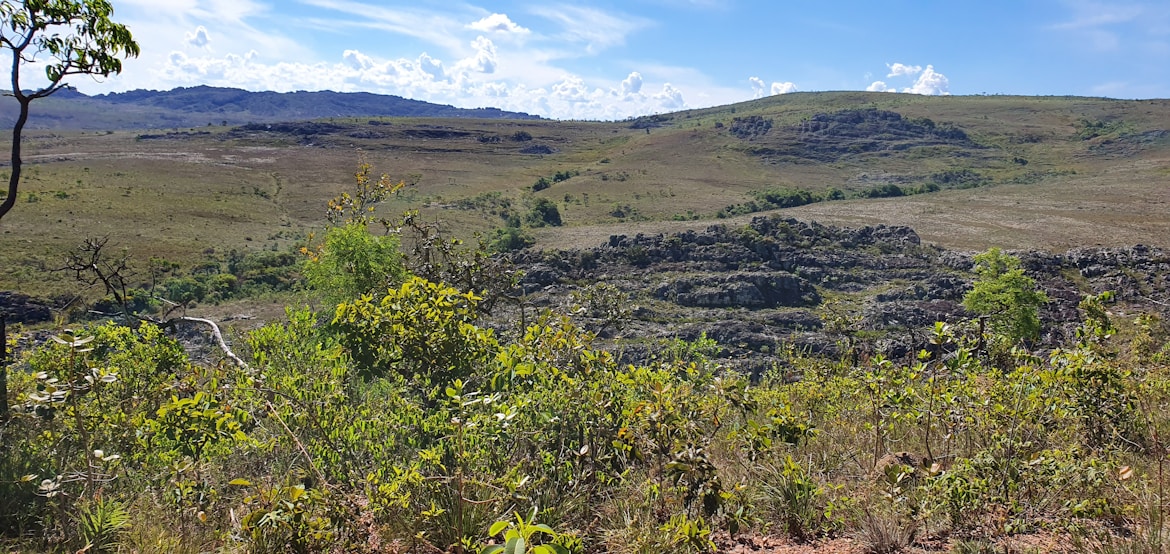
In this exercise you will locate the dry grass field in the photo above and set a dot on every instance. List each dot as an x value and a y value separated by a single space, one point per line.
1054 173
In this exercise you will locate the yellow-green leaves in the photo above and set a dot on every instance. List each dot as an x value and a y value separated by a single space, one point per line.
421 329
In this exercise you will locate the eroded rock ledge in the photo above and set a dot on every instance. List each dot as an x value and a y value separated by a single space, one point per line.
769 284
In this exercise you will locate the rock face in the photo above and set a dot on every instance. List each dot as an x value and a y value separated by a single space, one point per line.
763 286
20 308
740 289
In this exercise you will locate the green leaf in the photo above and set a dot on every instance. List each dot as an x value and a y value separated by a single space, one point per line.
240 483
515 545
544 528
550 549
492 549
497 527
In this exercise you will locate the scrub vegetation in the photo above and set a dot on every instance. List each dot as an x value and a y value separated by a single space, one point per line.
392 418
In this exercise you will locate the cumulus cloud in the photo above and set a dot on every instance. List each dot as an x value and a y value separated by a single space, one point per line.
473 75
431 66
783 88
484 60
632 84
498 23
898 70
758 87
199 38
189 70
930 83
357 60
670 98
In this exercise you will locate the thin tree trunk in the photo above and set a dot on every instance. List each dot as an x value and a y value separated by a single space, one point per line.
3 370
14 178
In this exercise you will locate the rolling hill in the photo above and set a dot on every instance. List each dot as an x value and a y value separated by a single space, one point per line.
69 109
1046 173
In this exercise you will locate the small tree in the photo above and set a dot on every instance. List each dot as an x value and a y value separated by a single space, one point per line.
544 212
1008 299
70 37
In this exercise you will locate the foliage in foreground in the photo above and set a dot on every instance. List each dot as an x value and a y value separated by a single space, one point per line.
403 423
397 421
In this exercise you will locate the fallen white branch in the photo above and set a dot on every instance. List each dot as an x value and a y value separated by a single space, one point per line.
227 351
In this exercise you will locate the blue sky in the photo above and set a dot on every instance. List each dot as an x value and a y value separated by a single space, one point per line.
611 60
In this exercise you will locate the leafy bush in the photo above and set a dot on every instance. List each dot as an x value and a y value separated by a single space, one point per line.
770 199
352 262
407 422
510 239
888 190
1007 298
544 212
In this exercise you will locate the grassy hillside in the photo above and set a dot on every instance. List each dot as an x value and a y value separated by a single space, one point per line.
1046 173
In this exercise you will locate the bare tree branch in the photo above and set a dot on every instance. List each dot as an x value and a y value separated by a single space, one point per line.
90 266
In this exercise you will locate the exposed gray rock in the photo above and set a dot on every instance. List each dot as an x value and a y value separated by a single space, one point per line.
21 308
758 287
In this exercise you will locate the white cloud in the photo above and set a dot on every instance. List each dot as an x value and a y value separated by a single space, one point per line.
1089 15
498 23
199 38
761 89
484 60
491 61
597 29
428 78
433 27
431 66
357 60
898 70
670 98
632 84
758 87
930 83
783 88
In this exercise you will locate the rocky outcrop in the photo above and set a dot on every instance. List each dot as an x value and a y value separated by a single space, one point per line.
21 308
740 289
759 288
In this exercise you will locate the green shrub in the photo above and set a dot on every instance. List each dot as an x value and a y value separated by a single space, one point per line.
544 212
352 262
510 239
1008 299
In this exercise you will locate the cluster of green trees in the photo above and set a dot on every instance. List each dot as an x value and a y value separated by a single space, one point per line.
773 198
560 176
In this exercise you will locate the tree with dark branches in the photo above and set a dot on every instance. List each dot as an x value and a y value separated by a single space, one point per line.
69 37
92 267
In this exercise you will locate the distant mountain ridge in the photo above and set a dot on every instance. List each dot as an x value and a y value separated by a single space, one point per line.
204 105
